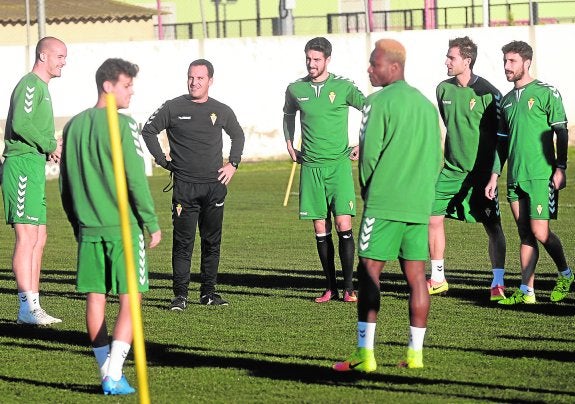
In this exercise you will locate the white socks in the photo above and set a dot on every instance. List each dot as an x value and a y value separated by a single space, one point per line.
102 354
416 336
365 334
29 301
437 273
118 355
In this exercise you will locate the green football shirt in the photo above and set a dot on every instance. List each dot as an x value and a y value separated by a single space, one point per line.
87 182
324 109
471 117
400 154
528 116
30 121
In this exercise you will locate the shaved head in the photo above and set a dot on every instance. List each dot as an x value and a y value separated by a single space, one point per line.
50 58
46 43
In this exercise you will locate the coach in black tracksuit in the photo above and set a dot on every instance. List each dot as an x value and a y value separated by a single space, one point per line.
194 124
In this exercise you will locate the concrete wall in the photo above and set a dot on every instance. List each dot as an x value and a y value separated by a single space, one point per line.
251 74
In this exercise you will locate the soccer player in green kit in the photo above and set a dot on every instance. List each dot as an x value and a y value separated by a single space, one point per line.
400 157
469 106
88 191
531 114
29 142
326 182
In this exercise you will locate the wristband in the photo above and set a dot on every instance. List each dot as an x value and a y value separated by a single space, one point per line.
234 164
562 166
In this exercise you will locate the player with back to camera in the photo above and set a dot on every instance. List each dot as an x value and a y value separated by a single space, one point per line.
400 155
88 192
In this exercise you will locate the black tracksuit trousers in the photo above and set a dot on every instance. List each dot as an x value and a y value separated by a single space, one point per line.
202 205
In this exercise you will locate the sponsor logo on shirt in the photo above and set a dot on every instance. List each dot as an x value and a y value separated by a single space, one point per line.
184 117
213 117
303 98
507 105
446 102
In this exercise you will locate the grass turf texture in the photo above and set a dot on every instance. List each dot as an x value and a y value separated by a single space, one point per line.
273 343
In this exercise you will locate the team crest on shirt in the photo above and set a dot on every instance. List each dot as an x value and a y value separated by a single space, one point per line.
530 102
539 209
213 117
179 209
472 103
350 205
331 96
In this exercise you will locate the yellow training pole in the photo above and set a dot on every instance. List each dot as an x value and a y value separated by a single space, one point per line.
288 189
122 191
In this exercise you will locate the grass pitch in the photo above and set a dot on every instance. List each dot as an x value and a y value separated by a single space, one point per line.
273 343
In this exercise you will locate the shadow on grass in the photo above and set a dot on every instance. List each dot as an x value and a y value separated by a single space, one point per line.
59 276
287 279
75 387
176 356
302 371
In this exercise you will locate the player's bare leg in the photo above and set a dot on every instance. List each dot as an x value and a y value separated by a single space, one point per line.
436 230
368 305
26 263
414 272
528 254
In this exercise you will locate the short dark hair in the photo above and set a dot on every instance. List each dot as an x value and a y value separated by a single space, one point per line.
467 48
111 69
319 44
519 47
204 62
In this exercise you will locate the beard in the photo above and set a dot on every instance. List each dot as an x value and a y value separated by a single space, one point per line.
516 77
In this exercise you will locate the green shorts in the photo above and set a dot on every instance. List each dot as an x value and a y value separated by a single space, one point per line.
326 189
542 196
102 269
464 199
24 189
385 240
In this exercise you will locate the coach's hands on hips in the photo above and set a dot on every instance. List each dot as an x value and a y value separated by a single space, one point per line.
491 188
226 173
156 237
559 179
354 155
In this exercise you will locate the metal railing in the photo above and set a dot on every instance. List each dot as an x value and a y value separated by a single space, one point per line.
555 12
